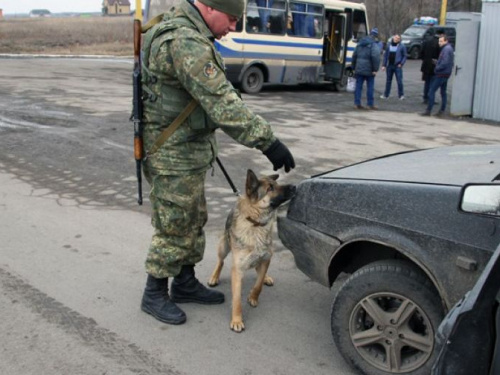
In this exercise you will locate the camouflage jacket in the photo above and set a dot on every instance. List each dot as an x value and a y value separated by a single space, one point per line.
180 63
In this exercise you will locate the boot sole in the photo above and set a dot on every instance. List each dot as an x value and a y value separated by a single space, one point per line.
163 320
195 300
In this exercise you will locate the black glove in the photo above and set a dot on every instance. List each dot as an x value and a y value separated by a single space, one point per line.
280 156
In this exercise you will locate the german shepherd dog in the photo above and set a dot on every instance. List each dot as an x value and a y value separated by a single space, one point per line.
248 236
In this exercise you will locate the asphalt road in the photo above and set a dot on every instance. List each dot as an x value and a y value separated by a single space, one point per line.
73 239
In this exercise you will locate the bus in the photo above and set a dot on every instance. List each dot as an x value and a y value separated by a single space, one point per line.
289 42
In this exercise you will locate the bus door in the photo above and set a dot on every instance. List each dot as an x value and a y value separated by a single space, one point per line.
335 45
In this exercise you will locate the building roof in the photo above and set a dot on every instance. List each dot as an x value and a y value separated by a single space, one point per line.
119 2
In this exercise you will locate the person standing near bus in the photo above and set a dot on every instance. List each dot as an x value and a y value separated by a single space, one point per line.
366 63
394 58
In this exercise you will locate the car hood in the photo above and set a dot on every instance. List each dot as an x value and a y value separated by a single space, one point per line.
454 165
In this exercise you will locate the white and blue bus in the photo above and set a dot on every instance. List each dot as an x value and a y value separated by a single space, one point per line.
289 41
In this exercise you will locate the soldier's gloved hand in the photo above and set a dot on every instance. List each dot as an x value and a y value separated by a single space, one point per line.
280 156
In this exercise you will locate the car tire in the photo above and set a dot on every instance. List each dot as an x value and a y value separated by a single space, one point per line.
415 53
253 80
387 309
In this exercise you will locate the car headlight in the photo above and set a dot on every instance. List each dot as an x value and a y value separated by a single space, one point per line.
406 42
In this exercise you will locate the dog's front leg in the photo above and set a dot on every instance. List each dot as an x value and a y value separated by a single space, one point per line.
253 298
237 317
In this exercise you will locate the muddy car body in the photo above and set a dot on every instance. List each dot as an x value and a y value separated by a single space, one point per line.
395 225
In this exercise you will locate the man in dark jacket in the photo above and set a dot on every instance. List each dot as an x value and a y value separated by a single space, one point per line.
365 63
442 72
394 58
430 54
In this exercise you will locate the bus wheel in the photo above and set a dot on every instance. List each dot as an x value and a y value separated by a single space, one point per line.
252 81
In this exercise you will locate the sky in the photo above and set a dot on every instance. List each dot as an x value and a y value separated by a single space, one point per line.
54 6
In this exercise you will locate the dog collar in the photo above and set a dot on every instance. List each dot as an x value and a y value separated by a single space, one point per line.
256 223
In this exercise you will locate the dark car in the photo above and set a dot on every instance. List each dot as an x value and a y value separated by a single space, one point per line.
394 225
414 36
469 336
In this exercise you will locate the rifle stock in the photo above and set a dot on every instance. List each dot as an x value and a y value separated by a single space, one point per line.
137 108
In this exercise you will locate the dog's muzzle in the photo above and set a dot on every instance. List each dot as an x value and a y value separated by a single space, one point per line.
288 193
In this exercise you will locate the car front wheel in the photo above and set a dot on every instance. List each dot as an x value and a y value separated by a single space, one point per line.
415 53
384 319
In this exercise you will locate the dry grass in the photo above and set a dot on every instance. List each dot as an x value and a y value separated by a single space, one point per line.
68 36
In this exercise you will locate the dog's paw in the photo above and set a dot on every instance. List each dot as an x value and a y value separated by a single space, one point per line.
237 325
254 302
268 280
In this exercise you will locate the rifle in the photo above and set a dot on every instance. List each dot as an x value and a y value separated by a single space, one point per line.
137 100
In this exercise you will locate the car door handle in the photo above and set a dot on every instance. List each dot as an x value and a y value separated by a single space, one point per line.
457 68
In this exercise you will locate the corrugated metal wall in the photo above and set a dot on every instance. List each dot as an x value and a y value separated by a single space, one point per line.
487 89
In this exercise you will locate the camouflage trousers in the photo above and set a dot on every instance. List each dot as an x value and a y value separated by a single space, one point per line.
179 213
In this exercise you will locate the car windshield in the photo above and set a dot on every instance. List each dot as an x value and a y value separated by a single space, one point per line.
414 31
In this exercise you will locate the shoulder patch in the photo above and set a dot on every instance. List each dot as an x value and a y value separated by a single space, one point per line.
210 70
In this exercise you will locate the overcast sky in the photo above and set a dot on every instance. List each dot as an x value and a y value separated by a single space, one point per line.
54 6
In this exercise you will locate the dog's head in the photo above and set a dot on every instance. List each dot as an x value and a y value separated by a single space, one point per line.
265 192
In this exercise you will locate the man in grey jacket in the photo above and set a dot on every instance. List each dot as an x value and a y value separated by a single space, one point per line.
365 63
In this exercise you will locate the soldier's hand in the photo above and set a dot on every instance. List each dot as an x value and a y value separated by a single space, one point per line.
280 156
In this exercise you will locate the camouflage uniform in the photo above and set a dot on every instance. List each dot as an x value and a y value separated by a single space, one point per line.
180 63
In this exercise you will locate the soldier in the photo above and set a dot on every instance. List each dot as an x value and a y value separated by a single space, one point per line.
180 63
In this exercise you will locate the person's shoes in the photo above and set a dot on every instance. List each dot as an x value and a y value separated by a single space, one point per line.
157 303
359 106
402 97
426 113
383 97
373 108
440 114
186 288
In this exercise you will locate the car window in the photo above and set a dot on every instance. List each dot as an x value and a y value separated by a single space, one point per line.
414 31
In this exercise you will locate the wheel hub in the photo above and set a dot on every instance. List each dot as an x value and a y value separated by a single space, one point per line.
391 332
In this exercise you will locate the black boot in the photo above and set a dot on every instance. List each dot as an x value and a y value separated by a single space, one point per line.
157 303
187 288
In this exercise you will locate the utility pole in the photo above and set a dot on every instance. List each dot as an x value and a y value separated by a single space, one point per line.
442 18
138 10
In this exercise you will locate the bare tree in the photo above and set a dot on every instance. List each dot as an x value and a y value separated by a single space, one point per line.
394 16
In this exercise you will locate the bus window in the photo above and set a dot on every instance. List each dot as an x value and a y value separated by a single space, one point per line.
307 20
239 25
359 25
266 17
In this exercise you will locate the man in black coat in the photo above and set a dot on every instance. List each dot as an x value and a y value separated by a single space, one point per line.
430 54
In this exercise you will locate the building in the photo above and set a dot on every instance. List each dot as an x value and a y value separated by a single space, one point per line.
116 7
476 75
488 69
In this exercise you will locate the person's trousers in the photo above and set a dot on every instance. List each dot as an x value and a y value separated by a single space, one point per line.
370 85
437 83
179 213
394 70
427 85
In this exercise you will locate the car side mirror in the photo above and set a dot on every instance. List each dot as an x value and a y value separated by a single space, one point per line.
481 199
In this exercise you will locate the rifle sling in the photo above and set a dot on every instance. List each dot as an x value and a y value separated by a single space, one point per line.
152 22
172 127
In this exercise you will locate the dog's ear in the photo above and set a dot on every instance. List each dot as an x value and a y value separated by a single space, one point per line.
274 177
252 185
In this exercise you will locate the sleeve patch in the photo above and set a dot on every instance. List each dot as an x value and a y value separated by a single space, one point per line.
210 70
